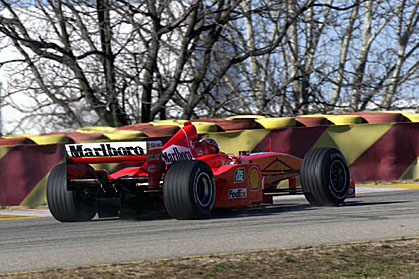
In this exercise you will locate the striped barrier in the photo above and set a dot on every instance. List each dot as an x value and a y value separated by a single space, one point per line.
24 171
374 151
386 151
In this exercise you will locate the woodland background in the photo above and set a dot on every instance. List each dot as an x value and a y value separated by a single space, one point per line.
115 62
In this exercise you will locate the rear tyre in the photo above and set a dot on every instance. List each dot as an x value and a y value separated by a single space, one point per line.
189 190
325 177
65 205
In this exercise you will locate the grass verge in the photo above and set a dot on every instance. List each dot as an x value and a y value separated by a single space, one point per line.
380 259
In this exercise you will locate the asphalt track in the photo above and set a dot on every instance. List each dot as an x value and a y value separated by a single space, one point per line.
43 243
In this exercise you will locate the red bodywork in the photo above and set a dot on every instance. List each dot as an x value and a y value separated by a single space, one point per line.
241 180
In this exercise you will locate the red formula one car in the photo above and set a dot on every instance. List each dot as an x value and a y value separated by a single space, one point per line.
187 178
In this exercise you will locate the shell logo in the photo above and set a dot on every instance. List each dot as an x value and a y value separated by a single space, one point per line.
254 178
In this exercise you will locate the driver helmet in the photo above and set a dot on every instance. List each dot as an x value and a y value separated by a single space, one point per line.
212 142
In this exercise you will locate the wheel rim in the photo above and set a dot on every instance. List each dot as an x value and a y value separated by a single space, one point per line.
338 176
203 190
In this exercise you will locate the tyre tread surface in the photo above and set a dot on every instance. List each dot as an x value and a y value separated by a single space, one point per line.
62 202
315 176
178 192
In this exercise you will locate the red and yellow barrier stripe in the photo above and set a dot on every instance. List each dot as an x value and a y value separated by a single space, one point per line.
383 151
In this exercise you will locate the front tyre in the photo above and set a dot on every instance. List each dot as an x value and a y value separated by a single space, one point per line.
189 190
325 177
67 205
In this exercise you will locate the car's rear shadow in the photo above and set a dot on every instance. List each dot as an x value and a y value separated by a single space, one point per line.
258 210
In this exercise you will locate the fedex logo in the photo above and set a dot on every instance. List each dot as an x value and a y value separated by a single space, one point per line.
237 193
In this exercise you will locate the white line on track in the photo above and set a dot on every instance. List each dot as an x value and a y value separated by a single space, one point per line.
29 212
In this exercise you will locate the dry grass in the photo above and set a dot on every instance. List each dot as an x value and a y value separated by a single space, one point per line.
384 259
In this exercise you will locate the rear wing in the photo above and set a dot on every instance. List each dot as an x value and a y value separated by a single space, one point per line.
113 152
147 154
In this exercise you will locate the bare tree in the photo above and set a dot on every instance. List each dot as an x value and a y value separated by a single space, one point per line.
392 27
407 46
117 62
343 53
289 79
246 63
64 60
333 57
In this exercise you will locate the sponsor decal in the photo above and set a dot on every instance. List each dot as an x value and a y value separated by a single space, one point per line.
176 153
152 145
106 149
153 156
254 178
152 168
239 175
237 193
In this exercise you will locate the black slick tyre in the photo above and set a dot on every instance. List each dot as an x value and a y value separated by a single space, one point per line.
324 177
189 190
66 205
